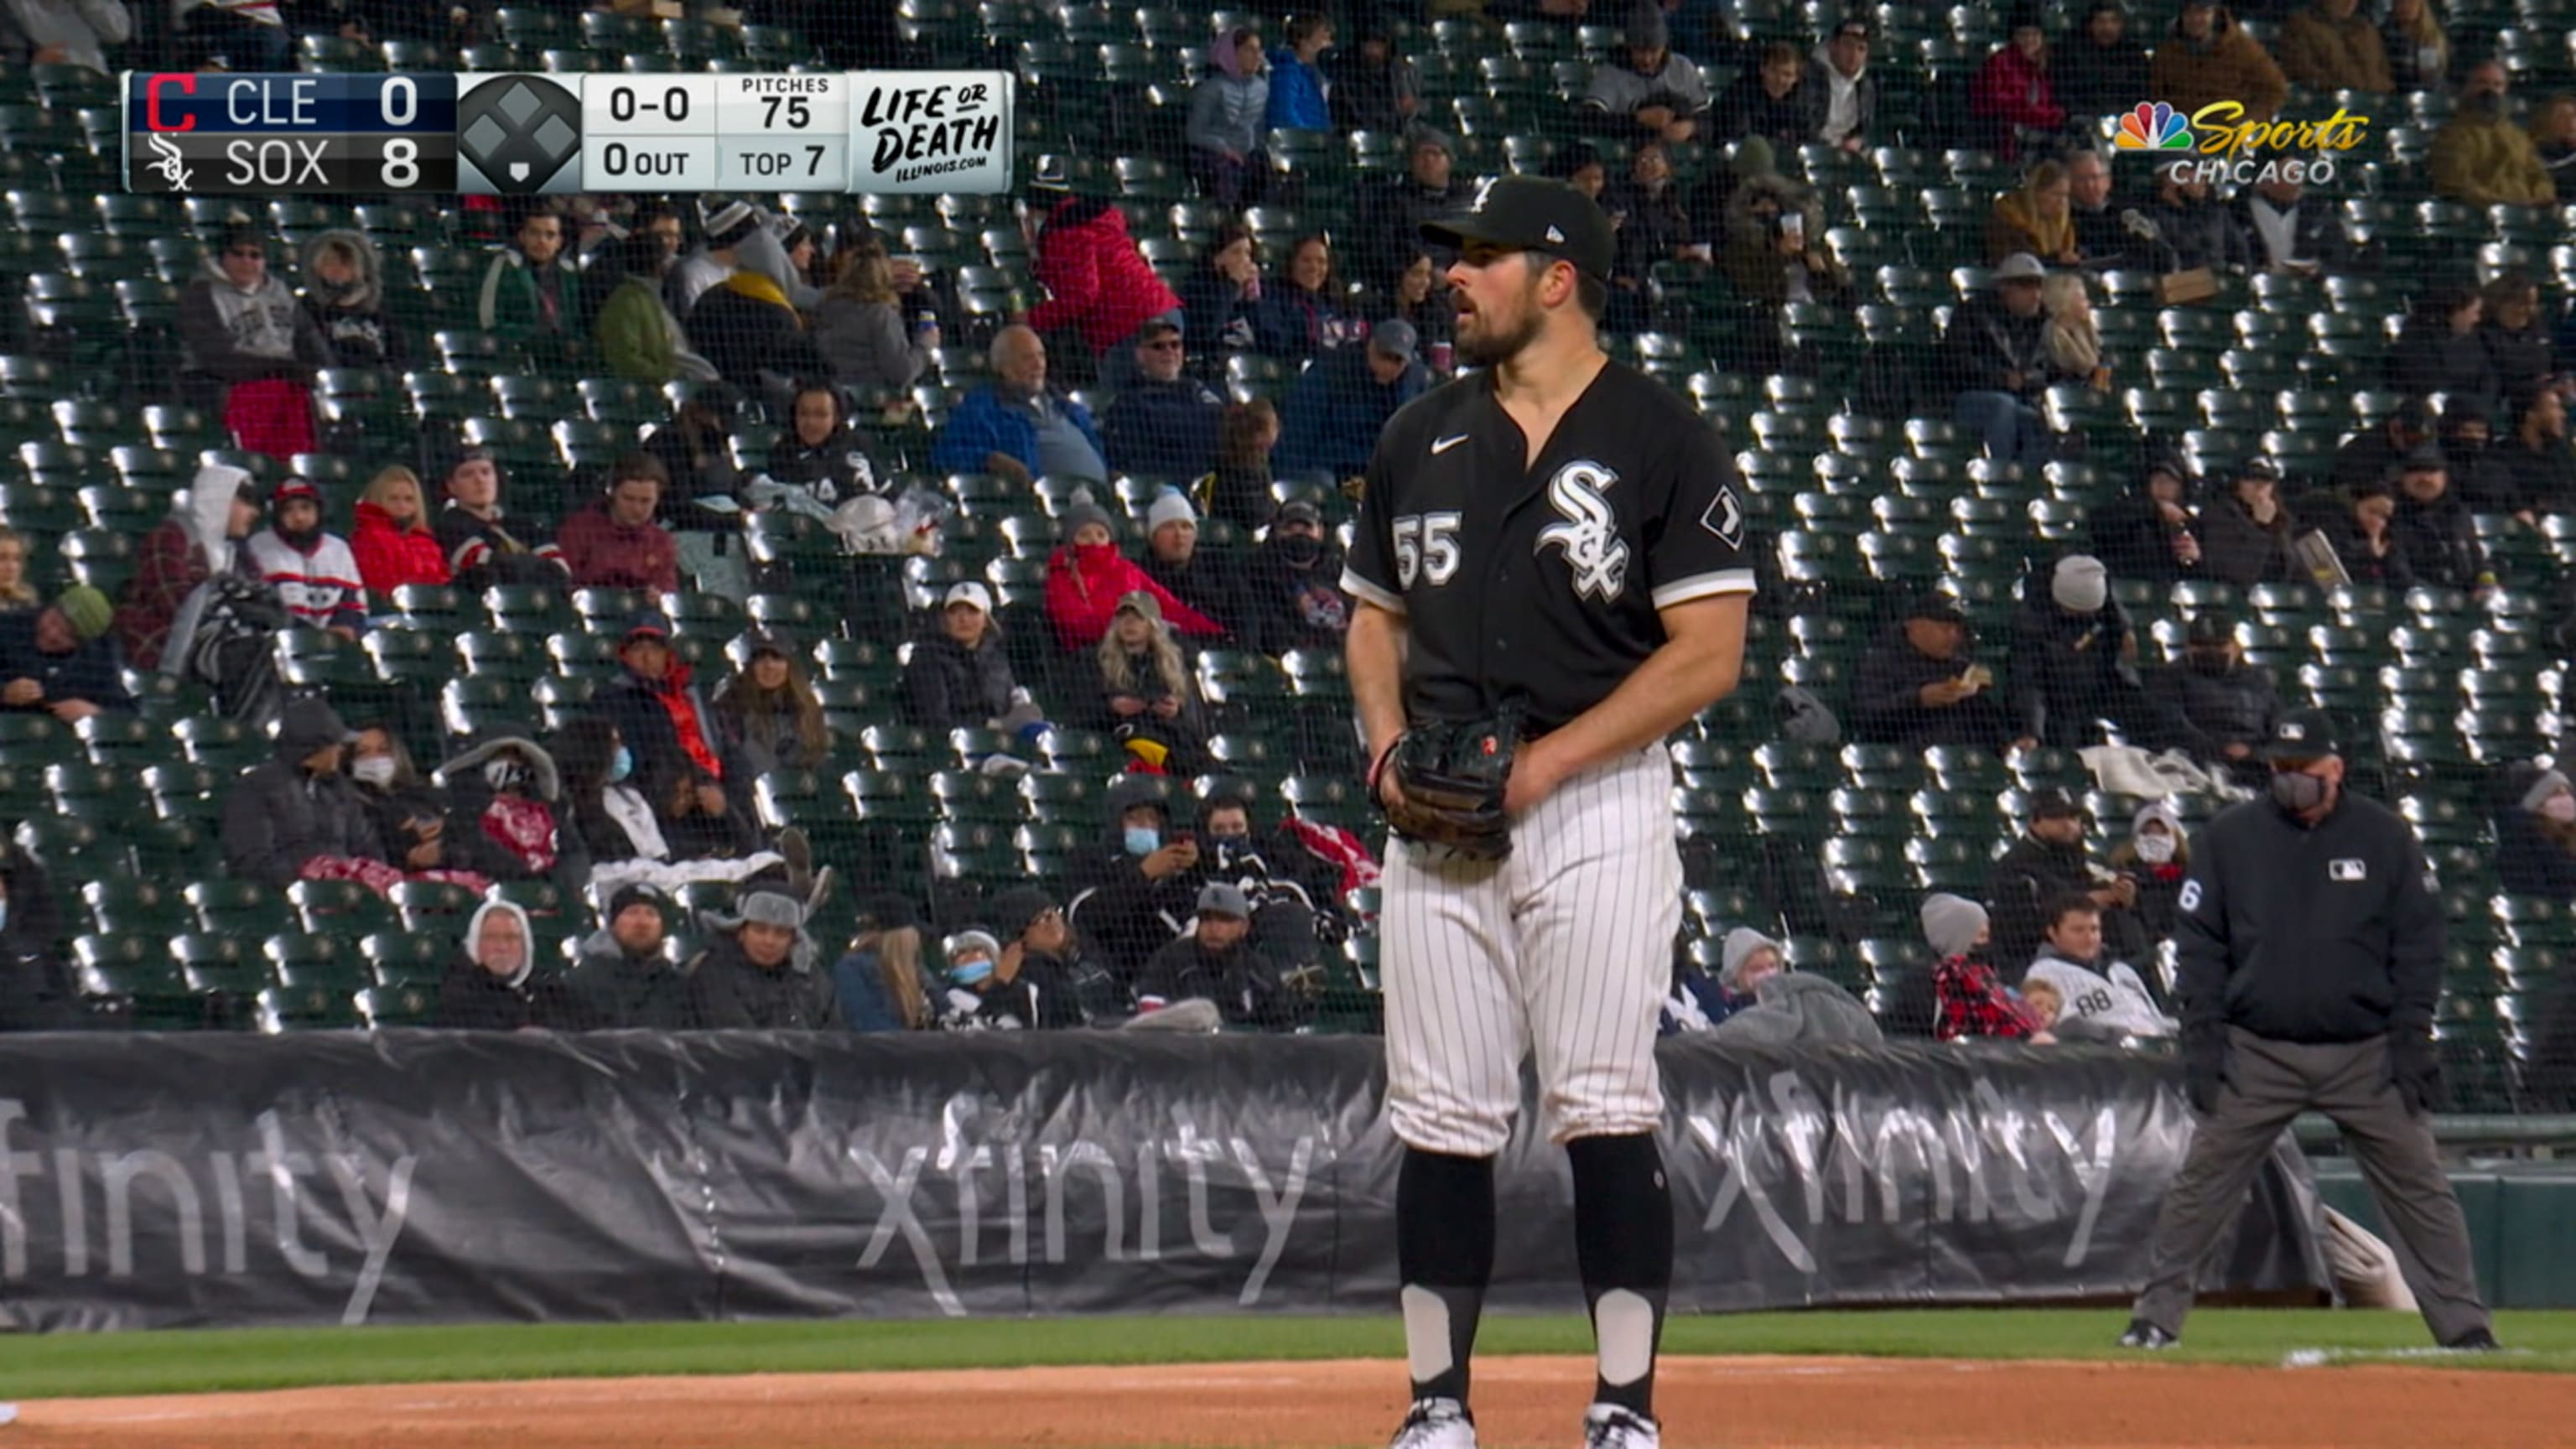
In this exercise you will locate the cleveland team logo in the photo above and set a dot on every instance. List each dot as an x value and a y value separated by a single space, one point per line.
1589 536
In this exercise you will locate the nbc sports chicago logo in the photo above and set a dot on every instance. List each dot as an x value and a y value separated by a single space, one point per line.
2218 143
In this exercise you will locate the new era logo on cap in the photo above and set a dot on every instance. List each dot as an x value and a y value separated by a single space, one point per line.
1556 234
2293 730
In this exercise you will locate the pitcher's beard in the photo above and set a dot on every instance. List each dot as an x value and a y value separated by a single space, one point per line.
1481 345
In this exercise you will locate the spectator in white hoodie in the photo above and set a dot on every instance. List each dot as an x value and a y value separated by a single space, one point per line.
1841 96
2099 999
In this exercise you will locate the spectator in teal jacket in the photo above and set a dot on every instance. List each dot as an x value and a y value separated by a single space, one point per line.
1297 84
1343 400
1015 427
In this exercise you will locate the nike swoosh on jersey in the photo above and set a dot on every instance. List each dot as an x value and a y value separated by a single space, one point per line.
1443 445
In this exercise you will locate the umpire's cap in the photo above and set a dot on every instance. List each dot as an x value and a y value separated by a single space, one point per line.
1532 214
2301 736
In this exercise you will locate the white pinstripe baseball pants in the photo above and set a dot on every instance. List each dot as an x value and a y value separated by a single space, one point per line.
1563 951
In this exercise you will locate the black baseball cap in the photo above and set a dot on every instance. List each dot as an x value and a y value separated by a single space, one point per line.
1939 609
2301 736
2051 803
2210 627
1531 214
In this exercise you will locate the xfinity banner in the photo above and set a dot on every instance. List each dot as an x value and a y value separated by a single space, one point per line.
423 1177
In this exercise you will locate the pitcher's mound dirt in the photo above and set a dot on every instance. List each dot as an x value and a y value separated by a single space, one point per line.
1521 1403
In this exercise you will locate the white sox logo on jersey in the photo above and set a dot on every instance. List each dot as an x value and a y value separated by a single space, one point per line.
1590 534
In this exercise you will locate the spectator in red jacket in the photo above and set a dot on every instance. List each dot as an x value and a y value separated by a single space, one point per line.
614 543
2011 92
1099 285
394 542
1972 999
1088 576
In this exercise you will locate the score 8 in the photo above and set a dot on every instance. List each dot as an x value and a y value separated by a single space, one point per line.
398 100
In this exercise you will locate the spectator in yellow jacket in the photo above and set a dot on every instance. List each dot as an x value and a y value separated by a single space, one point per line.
2482 158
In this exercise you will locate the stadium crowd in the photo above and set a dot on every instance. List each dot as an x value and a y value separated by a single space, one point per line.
783 515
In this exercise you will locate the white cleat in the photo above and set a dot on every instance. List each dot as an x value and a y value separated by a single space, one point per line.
1437 1424
1607 1426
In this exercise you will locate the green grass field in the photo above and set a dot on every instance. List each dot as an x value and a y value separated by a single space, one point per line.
147 1363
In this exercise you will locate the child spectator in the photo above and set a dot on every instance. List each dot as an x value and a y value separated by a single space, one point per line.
1971 999
1149 696
2012 95
1299 97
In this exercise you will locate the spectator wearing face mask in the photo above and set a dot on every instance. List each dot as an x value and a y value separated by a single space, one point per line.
2230 705
1296 907
1969 998
2249 530
2157 855
1295 599
2480 156
409 813
609 827
2535 822
1135 893
1087 577
505 793
2478 471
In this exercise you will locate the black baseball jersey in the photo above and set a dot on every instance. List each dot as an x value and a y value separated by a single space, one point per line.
1540 586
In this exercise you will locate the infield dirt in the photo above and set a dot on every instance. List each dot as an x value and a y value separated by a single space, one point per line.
1705 1402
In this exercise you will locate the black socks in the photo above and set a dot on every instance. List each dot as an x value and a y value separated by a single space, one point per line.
1444 1254
1623 1240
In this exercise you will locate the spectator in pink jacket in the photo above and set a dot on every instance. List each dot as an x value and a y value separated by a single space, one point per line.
1099 285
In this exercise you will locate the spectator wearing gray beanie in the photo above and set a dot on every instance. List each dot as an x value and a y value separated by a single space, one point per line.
2535 821
1970 999
2073 665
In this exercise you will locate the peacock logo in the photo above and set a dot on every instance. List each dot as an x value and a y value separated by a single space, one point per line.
2153 127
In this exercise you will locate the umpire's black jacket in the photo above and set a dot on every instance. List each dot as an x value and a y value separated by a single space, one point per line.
2323 934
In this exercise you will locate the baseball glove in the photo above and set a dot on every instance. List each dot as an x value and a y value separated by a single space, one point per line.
1452 774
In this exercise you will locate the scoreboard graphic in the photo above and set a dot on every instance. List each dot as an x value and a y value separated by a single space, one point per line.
540 134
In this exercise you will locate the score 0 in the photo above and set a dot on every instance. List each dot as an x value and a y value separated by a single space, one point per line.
782 132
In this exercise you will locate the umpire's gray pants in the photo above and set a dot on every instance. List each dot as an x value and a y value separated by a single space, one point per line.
2269 1083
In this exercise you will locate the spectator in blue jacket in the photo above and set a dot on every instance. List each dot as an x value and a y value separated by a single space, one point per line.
1344 398
1164 424
1227 112
1015 427
1297 83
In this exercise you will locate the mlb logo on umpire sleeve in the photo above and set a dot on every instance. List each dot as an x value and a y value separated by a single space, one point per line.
2347 870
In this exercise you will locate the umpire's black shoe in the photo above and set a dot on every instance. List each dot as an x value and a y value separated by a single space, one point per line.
2143 1334
2476 1340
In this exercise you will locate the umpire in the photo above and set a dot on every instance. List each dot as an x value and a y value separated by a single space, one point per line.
2311 951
